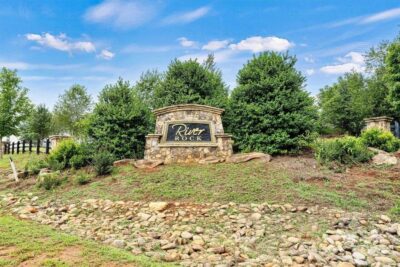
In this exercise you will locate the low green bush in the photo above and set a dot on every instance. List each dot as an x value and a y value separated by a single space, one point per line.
82 179
103 163
49 181
343 151
380 139
78 161
33 166
70 154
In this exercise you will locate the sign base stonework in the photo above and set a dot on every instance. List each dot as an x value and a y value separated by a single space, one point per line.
188 133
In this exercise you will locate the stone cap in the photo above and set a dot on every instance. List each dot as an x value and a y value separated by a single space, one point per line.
188 107
382 118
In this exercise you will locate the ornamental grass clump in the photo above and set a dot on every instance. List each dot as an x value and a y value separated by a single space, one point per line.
342 151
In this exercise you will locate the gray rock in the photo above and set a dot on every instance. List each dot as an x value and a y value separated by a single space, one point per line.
119 243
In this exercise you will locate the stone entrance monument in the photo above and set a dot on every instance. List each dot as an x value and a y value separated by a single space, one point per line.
188 133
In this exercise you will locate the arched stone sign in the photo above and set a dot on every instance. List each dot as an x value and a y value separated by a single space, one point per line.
188 133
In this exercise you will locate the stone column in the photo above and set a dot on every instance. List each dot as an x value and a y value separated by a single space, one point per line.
151 150
382 123
56 139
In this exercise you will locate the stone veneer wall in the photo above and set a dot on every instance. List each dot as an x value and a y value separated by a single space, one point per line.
378 122
185 153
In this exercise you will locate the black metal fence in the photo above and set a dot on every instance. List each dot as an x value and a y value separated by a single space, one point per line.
30 146
395 127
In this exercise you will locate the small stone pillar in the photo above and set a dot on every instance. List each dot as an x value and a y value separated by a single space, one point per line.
56 139
382 123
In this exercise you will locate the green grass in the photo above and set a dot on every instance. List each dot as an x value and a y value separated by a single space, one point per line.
20 160
28 241
251 182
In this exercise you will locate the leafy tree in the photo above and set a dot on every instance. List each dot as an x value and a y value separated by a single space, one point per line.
14 103
269 109
38 125
392 76
71 108
190 82
120 121
149 82
344 105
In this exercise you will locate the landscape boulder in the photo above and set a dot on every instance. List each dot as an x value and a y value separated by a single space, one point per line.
383 157
147 164
211 160
123 162
238 158
158 206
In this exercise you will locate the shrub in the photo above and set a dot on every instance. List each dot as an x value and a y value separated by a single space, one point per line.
63 153
120 121
269 110
103 163
380 139
70 154
346 151
33 166
50 181
78 161
82 179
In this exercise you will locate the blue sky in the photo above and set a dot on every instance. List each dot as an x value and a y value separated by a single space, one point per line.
54 44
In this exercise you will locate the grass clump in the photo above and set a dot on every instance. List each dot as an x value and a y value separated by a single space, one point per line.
50 181
342 151
34 165
82 179
396 208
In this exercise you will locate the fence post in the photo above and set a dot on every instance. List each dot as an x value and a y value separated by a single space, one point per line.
47 146
8 147
18 147
23 146
38 147
12 149
30 146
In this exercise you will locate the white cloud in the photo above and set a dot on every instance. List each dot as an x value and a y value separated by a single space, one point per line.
106 54
14 65
259 44
215 45
219 56
310 72
61 42
381 16
186 17
352 61
122 14
186 42
309 59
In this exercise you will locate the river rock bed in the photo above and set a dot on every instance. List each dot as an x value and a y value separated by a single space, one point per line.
218 234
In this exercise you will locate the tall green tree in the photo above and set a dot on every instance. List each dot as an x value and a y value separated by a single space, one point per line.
191 82
148 83
269 109
72 107
120 121
344 104
14 103
38 125
392 76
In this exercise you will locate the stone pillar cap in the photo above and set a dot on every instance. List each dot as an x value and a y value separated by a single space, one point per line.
382 118
188 107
